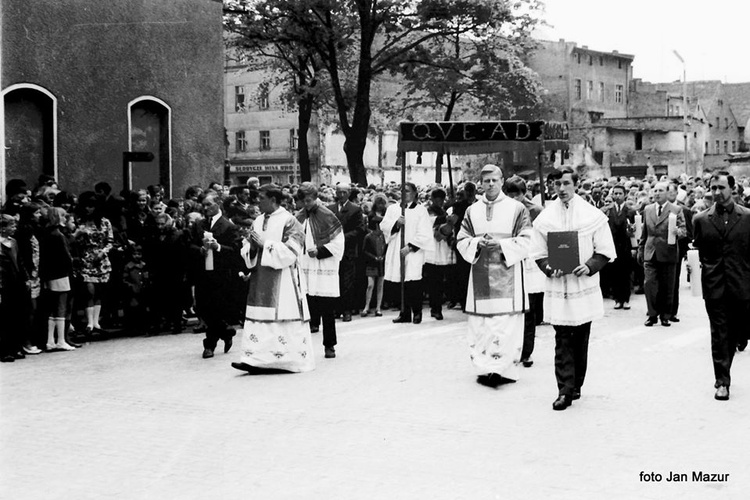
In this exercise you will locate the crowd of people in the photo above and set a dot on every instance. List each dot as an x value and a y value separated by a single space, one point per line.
284 261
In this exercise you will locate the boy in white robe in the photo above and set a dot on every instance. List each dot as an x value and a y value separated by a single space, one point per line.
572 301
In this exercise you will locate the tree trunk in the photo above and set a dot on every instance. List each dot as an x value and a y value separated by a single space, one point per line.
354 148
446 118
305 105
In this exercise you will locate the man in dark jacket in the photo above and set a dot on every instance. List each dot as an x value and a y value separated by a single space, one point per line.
218 241
722 237
621 219
350 216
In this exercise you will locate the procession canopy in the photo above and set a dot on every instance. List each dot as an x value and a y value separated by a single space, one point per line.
482 137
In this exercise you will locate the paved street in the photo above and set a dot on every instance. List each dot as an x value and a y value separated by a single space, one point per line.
396 416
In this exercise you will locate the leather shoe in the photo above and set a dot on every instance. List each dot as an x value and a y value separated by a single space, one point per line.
561 402
665 322
437 315
527 362
722 393
347 317
492 380
227 344
650 322
314 329
417 319
402 319
626 306
674 319
243 367
741 346
330 352
208 353
618 305
576 394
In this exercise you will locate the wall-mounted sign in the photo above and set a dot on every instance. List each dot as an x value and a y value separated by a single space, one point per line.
244 169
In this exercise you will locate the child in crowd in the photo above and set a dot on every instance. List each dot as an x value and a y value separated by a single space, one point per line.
374 251
135 279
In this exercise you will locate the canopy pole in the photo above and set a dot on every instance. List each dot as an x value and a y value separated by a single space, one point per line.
542 185
403 230
450 175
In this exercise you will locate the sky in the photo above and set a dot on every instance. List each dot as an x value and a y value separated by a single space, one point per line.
712 36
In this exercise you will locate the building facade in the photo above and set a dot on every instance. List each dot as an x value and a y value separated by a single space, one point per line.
84 82
262 132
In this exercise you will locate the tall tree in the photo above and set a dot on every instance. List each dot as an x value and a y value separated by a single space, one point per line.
473 70
358 40
264 39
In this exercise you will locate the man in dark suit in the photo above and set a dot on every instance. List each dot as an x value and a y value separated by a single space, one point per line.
353 223
682 245
218 241
658 256
722 236
621 219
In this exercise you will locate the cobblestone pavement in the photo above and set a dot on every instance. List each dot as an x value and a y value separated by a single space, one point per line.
397 415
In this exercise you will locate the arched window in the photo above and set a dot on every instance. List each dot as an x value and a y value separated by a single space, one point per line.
30 132
150 130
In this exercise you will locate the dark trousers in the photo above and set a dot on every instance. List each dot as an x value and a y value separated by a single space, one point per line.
658 284
571 356
463 269
676 292
620 271
412 296
324 308
727 317
529 324
434 277
215 306
346 303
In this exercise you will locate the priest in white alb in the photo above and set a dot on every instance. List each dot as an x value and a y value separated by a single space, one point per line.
494 238
275 334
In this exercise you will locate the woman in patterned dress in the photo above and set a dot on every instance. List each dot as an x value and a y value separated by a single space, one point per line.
93 240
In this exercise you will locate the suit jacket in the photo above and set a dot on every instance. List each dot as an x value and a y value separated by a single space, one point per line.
653 244
353 224
227 235
724 251
618 224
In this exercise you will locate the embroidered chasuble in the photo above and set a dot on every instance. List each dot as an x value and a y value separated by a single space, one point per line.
275 334
496 298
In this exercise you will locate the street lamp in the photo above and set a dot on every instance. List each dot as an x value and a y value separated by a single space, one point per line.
684 110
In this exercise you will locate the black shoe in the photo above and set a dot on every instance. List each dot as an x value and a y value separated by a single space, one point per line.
562 402
74 344
314 329
227 344
674 319
200 329
402 319
347 317
330 352
576 394
527 362
437 315
665 322
417 319
8 358
20 355
722 393
492 380
651 321
243 367
741 346
208 353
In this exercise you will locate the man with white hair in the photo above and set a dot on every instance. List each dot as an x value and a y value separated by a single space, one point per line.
494 238
659 253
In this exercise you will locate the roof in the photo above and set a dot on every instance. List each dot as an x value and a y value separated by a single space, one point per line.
738 97
705 91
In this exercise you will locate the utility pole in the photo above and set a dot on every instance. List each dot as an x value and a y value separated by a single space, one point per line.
684 111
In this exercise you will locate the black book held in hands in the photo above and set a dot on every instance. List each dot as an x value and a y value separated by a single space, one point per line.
562 247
